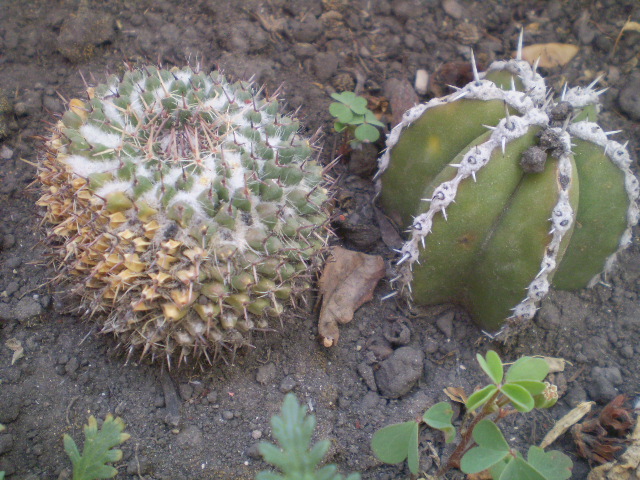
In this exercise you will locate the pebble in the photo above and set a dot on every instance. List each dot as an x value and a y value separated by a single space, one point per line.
52 104
306 31
13 262
72 365
453 9
366 372
5 152
549 316
256 434
325 65
266 373
629 98
212 396
288 383
602 386
397 333
304 50
26 308
227 414
421 83
8 241
576 395
400 372
370 401
186 391
445 323
12 288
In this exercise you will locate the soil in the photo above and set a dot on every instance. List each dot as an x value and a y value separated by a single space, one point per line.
188 423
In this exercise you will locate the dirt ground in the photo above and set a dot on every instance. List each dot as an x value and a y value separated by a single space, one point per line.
187 424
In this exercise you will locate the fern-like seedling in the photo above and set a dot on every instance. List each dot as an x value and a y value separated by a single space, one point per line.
98 449
296 458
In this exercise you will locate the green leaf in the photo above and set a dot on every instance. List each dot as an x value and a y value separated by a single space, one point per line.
391 443
295 457
371 118
359 106
413 455
439 417
357 120
518 469
367 133
479 398
532 386
339 127
344 97
342 112
499 467
552 465
492 366
492 448
528 368
97 450
520 398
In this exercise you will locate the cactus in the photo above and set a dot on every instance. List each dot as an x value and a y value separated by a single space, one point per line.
189 209
506 192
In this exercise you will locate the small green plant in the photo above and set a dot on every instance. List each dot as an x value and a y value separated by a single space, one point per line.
351 114
295 457
98 449
482 445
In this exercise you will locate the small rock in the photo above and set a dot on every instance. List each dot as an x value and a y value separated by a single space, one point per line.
5 152
366 372
13 262
227 414
583 29
256 434
601 388
12 288
400 372
549 316
186 391
397 333
266 373
364 161
629 98
8 241
81 33
52 104
288 383
26 308
403 10
627 351
370 401
453 9
212 396
575 396
445 323
306 31
421 83
325 65
72 365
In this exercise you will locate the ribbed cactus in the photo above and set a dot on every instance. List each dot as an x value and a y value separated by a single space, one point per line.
506 192
187 208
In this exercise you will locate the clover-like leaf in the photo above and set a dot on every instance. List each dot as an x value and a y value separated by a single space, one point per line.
295 456
339 127
341 111
367 133
532 386
491 449
527 368
439 417
479 398
371 118
391 444
97 450
519 397
359 105
519 469
492 366
552 465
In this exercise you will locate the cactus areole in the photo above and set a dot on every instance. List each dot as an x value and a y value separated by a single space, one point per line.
188 208
505 193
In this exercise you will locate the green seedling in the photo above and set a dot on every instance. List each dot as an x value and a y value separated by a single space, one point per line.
98 449
296 458
482 445
351 114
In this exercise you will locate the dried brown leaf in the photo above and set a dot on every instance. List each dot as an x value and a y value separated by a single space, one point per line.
633 26
628 465
556 364
551 54
562 425
457 394
16 346
348 281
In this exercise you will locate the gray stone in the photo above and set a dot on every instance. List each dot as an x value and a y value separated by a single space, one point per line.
288 383
575 396
602 386
629 98
325 65
186 391
306 31
453 9
366 372
445 323
370 401
266 373
227 414
400 372
13 262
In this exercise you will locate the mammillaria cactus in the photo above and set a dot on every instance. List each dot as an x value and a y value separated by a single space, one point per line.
506 192
188 208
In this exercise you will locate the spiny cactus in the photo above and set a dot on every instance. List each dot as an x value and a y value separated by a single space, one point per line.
506 192
188 208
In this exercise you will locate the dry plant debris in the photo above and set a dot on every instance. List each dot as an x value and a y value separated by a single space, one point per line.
550 54
348 281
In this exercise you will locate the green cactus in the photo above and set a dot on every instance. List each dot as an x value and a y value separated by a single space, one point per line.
506 193
188 208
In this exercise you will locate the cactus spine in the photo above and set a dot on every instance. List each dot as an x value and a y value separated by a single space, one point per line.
506 192
188 208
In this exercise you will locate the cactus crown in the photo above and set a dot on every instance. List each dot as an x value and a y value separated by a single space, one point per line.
190 208
544 195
